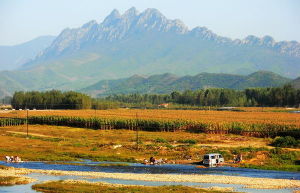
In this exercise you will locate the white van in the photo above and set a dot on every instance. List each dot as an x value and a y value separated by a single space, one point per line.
213 159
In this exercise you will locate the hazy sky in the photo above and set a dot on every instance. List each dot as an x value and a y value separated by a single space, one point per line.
23 20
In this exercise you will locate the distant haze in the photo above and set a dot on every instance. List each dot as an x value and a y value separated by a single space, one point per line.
23 20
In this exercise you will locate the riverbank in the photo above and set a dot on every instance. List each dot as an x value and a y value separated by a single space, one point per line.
9 177
80 186
57 143
257 183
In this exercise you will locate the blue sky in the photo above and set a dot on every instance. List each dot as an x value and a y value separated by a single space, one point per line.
23 20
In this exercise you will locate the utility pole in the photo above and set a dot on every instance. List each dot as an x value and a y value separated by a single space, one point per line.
27 122
137 132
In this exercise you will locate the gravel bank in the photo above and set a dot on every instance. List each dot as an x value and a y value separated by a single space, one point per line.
258 183
17 177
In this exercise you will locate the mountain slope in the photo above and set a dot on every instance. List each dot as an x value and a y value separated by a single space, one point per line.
12 57
166 83
149 43
296 83
261 79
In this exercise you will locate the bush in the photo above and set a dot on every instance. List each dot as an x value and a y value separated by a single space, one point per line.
287 141
161 140
283 156
189 141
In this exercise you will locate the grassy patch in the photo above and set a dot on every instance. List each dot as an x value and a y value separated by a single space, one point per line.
51 139
75 144
161 140
112 158
277 159
290 168
61 186
12 180
189 141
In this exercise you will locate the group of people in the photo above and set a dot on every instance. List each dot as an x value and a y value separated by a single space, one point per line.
237 158
153 161
14 159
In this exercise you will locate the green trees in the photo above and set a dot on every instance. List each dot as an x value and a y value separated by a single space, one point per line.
53 99
279 96
286 141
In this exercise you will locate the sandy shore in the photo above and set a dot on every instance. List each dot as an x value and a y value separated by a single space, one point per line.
225 189
18 174
258 183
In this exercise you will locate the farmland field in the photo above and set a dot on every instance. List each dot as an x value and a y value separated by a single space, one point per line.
58 143
58 136
60 128
253 116
250 122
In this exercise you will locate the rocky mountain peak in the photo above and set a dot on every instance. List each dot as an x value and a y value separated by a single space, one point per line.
267 41
154 13
89 24
151 18
204 33
251 40
116 27
132 12
112 17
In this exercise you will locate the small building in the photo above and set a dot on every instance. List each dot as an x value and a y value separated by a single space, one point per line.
163 105
226 108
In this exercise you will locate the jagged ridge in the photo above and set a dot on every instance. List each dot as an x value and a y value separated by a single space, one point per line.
117 27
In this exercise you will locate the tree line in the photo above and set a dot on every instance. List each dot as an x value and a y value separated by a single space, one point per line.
54 99
277 96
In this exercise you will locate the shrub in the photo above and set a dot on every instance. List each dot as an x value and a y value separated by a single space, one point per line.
287 141
161 140
94 149
283 157
189 141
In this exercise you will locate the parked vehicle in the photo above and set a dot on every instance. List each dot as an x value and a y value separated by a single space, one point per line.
213 159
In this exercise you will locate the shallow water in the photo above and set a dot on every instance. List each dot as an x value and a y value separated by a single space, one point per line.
157 169
45 177
140 168
26 188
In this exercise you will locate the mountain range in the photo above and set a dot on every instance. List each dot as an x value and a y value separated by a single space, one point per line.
13 57
146 43
166 83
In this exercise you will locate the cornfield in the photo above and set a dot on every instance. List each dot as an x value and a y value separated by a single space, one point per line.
281 118
12 121
258 124
256 130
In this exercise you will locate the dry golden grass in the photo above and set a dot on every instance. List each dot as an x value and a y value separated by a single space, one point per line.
65 143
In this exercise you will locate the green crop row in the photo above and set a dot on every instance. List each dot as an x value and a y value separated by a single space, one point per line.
250 129
11 122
